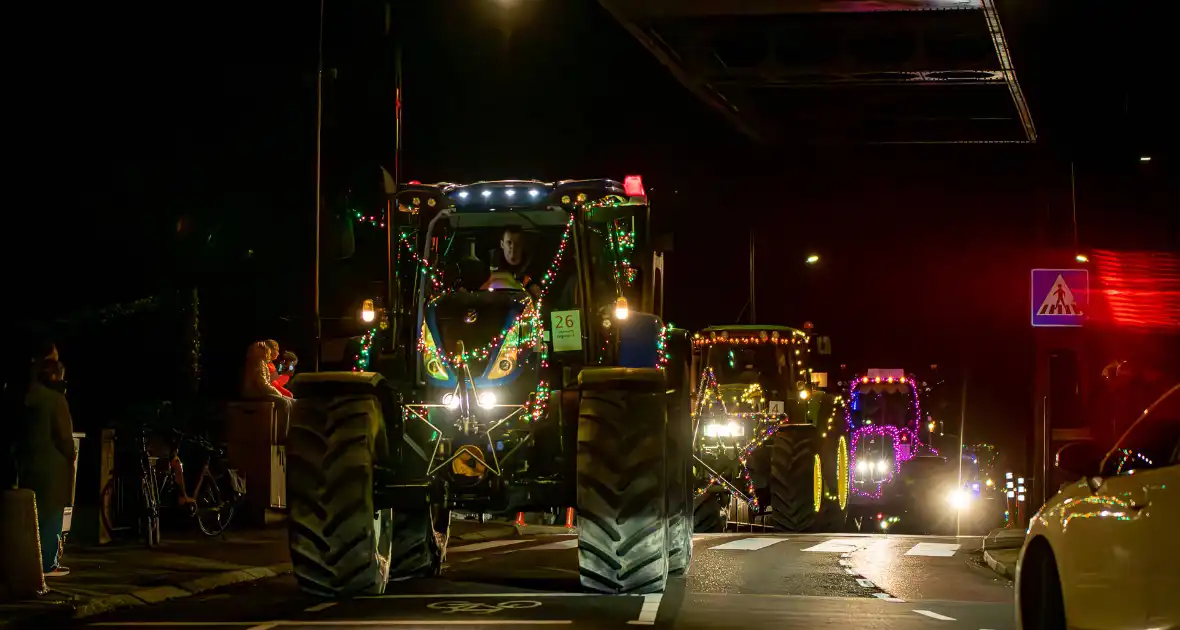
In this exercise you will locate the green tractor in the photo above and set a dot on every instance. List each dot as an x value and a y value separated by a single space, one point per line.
769 442
516 361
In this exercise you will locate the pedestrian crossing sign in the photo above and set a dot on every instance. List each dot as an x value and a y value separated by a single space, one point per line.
1059 297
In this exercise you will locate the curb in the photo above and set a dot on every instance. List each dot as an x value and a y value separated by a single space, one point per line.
155 595
159 594
999 567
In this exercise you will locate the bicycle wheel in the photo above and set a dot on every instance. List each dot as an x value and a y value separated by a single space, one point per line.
213 512
150 518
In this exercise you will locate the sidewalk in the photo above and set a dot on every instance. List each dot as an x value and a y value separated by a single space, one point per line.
1001 550
124 575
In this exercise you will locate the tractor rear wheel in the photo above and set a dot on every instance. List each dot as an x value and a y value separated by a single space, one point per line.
796 478
622 522
708 514
340 544
679 474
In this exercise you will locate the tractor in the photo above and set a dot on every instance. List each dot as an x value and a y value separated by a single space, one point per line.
483 390
894 473
766 432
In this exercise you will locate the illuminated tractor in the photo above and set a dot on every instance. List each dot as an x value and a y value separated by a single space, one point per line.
769 440
485 392
893 473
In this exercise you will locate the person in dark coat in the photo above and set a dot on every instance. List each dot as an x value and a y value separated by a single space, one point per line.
46 458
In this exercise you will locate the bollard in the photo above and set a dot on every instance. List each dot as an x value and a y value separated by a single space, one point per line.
520 520
20 546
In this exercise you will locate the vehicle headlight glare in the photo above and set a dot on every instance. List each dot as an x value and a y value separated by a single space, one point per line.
959 499
487 399
862 467
450 401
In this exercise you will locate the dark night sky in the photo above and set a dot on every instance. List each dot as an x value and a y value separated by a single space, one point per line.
155 126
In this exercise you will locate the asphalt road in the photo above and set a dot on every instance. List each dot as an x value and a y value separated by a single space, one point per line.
807 581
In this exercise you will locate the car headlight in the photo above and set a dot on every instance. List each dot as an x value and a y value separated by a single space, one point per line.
959 499
432 357
505 361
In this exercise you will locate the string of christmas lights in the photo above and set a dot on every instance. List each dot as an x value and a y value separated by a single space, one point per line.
662 347
529 320
362 359
906 434
771 337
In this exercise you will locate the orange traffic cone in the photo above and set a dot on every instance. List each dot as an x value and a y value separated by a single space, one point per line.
569 518
520 520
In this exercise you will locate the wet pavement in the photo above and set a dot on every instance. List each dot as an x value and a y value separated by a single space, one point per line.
736 580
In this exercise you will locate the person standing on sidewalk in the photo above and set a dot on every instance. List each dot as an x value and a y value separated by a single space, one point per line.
46 458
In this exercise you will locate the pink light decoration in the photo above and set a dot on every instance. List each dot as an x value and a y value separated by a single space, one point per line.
910 430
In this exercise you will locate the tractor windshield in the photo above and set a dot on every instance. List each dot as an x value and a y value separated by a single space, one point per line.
883 405
763 364
497 251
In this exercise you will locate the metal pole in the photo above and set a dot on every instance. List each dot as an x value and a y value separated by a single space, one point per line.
962 427
753 310
319 126
1073 201
393 282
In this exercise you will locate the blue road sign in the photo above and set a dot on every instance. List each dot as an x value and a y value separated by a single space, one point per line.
1060 297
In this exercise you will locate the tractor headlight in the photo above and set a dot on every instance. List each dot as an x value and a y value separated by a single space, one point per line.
724 429
432 357
487 400
450 401
862 467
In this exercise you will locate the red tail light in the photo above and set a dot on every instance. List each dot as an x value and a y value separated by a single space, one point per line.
633 186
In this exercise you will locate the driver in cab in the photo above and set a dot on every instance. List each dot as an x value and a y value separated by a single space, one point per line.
512 264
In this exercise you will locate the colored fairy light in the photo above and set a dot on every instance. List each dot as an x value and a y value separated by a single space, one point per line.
362 359
907 434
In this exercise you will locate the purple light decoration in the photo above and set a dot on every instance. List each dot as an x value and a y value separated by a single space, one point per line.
910 431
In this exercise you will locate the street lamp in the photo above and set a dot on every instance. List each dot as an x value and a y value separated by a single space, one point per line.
812 259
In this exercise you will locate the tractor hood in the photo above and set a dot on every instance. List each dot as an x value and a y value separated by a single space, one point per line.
476 325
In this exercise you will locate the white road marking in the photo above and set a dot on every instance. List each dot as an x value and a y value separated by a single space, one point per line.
866 583
748 544
943 550
889 598
561 544
850 571
934 615
319 607
836 545
469 595
713 535
342 623
491 544
470 559
647 614
845 562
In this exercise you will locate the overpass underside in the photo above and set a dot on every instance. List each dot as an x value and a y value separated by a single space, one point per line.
841 71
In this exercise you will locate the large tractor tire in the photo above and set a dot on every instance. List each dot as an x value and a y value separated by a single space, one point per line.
679 474
796 478
708 513
622 522
833 516
340 544
419 542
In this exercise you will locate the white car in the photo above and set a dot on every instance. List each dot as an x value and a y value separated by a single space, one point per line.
1104 553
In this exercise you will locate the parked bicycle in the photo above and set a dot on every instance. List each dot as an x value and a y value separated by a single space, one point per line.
158 484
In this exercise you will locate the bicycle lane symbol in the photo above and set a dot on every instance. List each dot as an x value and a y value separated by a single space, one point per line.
476 608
